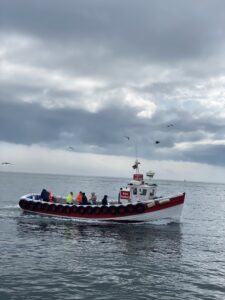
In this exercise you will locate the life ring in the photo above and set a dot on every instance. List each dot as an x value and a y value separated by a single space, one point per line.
130 208
45 207
113 210
96 210
67 209
38 206
104 209
121 209
60 208
88 210
31 205
140 208
74 208
34 206
22 203
81 210
53 208
42 207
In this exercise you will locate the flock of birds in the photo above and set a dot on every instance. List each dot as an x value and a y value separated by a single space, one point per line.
70 148
156 142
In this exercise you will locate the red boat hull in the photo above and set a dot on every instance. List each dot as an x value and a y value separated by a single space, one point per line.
140 212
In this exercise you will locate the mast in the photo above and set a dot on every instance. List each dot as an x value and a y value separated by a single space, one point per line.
136 166
136 163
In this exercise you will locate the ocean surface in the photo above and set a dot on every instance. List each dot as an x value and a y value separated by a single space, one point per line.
50 258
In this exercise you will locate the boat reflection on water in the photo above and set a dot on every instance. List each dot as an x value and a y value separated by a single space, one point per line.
100 259
127 239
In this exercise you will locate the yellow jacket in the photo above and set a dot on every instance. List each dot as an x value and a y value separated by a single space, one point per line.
69 198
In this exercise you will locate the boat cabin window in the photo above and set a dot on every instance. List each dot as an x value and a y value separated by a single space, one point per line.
152 192
143 192
135 191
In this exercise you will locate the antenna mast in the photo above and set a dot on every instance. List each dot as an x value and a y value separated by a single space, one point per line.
136 163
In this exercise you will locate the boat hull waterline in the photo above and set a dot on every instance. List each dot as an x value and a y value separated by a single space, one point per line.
160 208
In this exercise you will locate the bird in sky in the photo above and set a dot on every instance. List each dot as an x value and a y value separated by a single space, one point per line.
157 142
70 148
6 163
126 137
170 125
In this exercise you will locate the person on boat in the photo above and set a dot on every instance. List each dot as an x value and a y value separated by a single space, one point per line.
79 198
119 196
105 200
93 199
50 197
69 198
44 195
84 199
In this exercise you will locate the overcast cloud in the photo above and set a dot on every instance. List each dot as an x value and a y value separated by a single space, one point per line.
86 73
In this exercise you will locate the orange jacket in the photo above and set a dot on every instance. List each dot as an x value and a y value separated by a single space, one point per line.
79 198
50 197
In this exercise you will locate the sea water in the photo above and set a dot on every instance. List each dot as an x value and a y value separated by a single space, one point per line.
53 258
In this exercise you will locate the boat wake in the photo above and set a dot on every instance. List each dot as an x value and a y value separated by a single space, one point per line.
10 207
163 222
159 222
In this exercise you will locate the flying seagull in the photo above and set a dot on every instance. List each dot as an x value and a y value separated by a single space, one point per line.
6 163
70 148
126 137
157 142
170 125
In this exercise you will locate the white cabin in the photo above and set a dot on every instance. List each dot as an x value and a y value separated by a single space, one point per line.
139 190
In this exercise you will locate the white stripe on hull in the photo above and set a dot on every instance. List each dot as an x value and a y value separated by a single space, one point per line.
173 213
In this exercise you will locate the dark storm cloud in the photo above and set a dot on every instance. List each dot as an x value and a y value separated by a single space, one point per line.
141 29
207 154
26 124
31 123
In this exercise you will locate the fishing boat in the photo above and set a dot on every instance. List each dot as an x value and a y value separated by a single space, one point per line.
137 202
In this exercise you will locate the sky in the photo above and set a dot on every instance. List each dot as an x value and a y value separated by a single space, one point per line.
86 86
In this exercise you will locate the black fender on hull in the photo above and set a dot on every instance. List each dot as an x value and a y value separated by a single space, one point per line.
74 210
140 208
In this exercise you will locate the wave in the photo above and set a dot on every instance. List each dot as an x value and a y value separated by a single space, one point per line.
162 222
159 222
9 207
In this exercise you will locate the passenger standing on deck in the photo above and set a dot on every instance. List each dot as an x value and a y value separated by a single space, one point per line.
104 200
93 199
50 197
69 198
44 195
79 198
